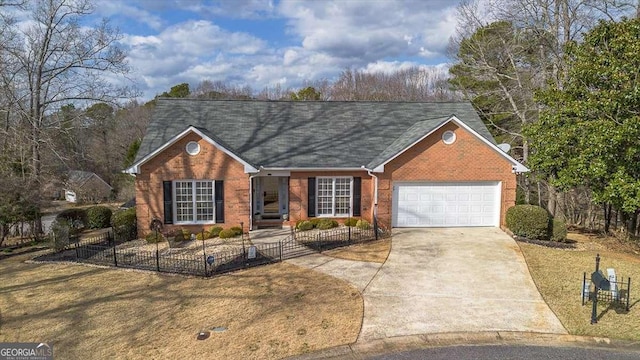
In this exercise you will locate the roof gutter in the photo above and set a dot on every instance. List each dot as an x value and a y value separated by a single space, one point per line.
312 168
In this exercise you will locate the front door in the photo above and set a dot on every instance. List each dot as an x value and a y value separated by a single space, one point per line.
271 199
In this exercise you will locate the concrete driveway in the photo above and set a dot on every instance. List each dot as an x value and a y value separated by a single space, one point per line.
454 280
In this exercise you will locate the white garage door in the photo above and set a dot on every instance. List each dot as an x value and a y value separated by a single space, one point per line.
446 204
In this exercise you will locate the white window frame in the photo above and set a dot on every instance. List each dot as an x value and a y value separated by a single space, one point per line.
333 197
194 202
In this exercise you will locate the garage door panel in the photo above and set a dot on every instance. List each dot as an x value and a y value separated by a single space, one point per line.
446 204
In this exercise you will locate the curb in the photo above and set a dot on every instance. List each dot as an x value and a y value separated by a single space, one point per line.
360 350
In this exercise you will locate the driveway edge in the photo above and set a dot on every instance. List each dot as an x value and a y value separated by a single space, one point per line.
360 350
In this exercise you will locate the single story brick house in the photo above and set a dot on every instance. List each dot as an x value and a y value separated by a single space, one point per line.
410 164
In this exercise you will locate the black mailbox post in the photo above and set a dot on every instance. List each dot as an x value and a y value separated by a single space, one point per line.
600 282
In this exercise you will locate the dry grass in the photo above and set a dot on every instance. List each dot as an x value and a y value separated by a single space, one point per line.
372 251
270 312
558 274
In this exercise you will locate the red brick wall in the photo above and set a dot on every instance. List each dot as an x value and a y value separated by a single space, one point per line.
467 159
173 164
298 187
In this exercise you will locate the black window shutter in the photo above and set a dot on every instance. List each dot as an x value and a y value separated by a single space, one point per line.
357 190
167 193
219 194
311 203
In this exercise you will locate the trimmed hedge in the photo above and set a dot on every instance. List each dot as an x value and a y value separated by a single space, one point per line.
215 231
75 218
351 222
203 235
363 224
558 230
227 234
326 224
529 221
99 217
151 238
237 230
304 225
124 223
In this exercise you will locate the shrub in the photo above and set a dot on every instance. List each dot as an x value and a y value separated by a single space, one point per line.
76 219
237 230
529 221
124 224
326 224
98 217
304 225
363 224
227 233
558 230
186 234
202 235
152 239
179 235
59 234
215 231
315 222
351 222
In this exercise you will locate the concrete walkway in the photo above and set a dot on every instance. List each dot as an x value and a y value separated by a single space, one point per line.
357 273
454 280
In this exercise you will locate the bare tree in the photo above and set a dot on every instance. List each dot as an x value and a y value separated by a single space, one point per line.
208 89
412 84
55 62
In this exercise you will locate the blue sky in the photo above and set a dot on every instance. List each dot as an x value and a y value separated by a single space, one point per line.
264 43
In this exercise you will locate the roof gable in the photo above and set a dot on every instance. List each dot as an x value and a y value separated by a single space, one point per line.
416 134
290 134
203 133
77 178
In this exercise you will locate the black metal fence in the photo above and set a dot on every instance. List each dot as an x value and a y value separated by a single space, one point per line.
619 292
107 250
301 242
171 261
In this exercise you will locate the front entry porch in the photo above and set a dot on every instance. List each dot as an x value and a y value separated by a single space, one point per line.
270 205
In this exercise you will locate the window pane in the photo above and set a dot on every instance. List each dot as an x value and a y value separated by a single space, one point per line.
184 200
324 196
342 196
204 200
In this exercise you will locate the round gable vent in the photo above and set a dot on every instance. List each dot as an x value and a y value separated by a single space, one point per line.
448 137
193 148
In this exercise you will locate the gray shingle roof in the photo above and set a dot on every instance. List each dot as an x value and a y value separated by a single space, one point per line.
305 134
77 178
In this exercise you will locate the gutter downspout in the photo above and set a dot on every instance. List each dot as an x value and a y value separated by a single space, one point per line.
375 191
251 201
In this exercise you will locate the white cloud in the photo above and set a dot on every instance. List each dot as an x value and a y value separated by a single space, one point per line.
366 31
246 9
324 38
189 51
123 8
